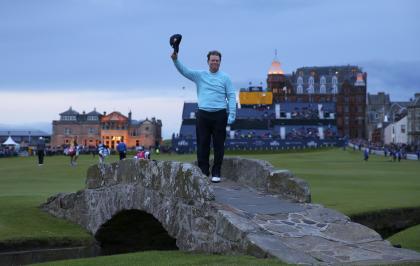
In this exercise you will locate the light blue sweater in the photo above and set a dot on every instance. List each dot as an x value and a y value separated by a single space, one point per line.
214 90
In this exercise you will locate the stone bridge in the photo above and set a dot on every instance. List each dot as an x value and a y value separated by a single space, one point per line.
256 210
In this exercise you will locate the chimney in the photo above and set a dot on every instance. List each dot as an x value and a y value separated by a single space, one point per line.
129 116
104 113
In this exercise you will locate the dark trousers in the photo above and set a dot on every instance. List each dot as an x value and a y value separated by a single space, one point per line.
40 157
122 155
211 126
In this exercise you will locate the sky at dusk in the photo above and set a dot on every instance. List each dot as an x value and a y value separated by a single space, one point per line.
115 54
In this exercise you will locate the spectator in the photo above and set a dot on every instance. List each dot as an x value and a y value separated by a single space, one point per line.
122 149
103 152
40 150
366 154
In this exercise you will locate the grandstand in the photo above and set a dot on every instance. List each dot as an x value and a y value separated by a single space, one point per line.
287 125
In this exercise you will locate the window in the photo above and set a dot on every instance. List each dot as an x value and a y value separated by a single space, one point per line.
346 109
67 131
300 80
402 128
300 89
69 118
322 89
92 118
91 130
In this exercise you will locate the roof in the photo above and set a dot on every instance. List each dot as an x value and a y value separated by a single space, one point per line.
415 102
275 68
401 104
378 99
32 133
70 111
115 117
94 113
328 70
137 122
9 141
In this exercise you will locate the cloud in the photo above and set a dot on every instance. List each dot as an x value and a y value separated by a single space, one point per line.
39 107
398 78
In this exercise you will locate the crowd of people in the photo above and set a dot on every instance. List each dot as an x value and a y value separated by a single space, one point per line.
73 150
394 151
305 113
8 151
302 133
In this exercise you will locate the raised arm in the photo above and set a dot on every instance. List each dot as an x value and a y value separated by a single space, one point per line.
185 71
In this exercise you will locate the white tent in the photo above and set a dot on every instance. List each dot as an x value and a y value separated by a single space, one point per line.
10 141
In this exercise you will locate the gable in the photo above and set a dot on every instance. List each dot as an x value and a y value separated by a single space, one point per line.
114 117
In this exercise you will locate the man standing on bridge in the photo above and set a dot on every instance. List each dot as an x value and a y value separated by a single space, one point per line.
216 108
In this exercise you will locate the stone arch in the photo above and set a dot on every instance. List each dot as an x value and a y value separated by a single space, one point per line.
133 230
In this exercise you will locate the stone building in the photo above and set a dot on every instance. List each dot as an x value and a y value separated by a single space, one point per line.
413 124
91 128
343 85
85 128
396 132
378 106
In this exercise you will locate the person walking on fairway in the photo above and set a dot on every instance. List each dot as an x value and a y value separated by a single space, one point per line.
366 154
40 150
216 109
122 150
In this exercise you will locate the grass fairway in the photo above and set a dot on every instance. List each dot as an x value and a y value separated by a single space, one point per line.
338 179
167 258
409 238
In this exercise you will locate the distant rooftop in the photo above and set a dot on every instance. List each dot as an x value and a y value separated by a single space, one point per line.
20 132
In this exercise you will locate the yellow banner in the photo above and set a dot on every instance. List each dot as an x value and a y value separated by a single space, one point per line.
255 97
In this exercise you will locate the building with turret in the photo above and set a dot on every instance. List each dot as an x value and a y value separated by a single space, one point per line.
343 85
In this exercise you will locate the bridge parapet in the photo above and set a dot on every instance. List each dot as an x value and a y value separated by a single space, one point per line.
262 175
175 179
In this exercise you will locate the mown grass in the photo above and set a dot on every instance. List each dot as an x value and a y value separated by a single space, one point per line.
338 179
408 238
167 258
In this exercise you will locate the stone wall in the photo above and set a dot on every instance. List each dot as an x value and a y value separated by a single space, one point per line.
177 194
262 175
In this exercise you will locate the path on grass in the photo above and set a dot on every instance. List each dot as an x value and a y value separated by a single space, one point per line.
304 233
